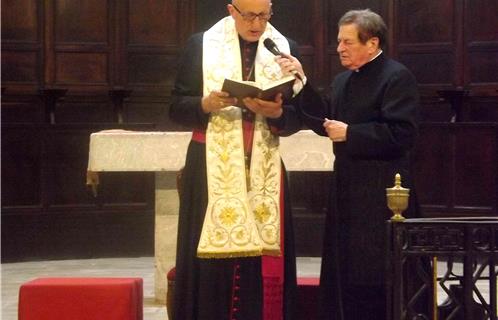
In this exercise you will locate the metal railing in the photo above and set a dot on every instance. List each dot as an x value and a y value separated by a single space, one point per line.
466 252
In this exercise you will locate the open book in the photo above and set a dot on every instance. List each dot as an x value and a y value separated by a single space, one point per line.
243 89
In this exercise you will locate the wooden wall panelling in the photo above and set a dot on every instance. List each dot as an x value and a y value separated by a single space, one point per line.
153 43
483 108
151 110
151 72
433 166
476 168
83 46
49 212
481 46
20 20
435 109
456 171
481 65
451 45
82 22
46 166
155 34
67 160
427 40
85 109
21 45
21 166
90 234
21 109
20 66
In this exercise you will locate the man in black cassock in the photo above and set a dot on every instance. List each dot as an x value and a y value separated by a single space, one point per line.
371 114
243 287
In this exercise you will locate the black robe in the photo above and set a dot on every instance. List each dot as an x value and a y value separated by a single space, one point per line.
204 287
380 104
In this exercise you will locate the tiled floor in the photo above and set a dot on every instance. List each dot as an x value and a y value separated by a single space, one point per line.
15 274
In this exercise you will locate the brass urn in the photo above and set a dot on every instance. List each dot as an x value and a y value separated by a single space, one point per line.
397 199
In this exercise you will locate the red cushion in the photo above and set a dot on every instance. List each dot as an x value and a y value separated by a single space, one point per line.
81 299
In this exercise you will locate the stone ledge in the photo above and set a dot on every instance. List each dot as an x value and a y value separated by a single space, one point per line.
120 150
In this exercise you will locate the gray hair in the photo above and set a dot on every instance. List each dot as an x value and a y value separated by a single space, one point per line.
369 23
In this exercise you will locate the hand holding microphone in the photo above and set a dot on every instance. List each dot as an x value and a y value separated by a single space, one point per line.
288 63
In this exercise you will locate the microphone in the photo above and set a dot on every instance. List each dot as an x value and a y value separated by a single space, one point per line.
272 47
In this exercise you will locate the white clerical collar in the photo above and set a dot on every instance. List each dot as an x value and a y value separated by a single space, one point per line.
378 54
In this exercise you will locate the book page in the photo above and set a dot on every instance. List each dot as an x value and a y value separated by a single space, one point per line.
278 82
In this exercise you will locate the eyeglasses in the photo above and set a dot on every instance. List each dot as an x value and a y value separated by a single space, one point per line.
251 16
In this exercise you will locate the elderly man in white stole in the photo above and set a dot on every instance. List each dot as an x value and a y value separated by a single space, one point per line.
235 253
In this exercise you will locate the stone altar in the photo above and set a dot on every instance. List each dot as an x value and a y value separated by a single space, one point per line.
164 153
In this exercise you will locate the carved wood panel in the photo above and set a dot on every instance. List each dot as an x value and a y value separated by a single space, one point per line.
23 110
81 54
20 67
432 165
81 110
456 169
154 39
22 161
481 39
81 68
153 23
20 20
426 41
82 21
417 26
21 44
476 167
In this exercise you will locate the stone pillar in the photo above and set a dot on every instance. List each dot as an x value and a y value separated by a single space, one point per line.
166 225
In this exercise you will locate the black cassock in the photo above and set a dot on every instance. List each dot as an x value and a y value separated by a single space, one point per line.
380 104
204 288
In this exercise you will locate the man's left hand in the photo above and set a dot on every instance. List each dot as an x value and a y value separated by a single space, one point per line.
269 109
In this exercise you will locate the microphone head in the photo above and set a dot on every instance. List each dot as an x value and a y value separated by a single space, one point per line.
271 46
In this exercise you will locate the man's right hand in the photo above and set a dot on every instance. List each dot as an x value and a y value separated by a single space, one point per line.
217 100
290 65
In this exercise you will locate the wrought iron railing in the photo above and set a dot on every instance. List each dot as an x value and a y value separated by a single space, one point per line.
466 252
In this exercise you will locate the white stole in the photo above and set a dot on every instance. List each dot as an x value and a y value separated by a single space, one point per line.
239 222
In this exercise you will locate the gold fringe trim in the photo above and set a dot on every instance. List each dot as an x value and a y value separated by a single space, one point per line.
273 253
224 255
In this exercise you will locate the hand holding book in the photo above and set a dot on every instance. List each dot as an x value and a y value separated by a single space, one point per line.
217 100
